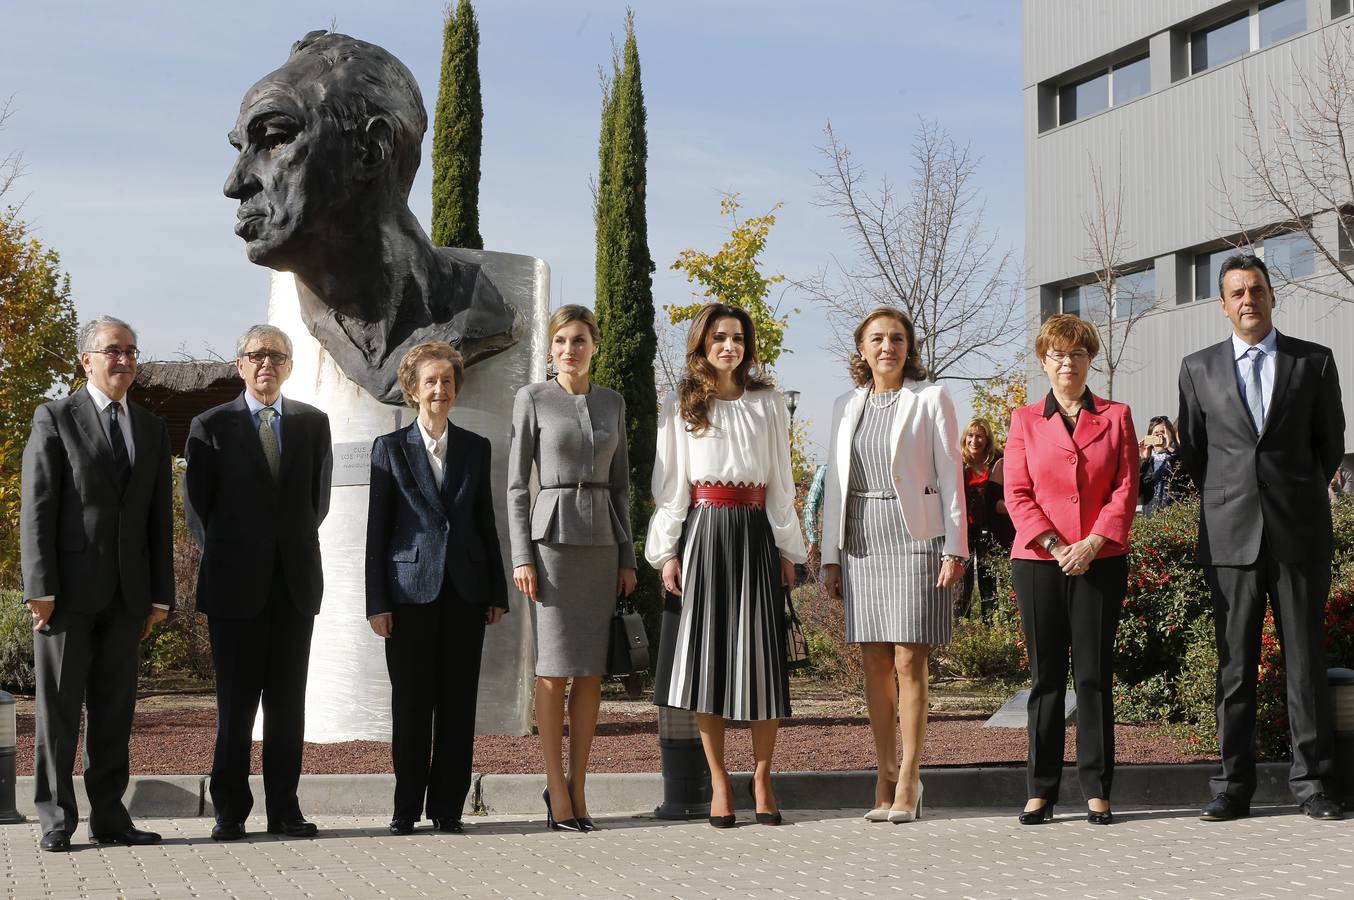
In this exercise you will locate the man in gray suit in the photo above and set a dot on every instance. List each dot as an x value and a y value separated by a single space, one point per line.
96 536
1261 432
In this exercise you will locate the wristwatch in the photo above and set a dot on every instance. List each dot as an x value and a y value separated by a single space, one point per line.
1051 543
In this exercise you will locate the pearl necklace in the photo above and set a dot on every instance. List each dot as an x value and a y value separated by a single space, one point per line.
893 398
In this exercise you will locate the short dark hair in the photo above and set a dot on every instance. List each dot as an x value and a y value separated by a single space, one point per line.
1243 261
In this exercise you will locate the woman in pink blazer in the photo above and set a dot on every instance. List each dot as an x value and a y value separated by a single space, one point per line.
1071 489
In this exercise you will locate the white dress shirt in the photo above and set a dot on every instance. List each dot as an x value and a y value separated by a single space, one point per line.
101 403
1270 344
437 452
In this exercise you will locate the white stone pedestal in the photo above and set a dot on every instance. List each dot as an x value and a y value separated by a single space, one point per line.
348 694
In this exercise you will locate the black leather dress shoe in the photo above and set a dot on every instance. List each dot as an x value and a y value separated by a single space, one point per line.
56 842
298 828
448 826
228 831
1223 808
132 837
1322 808
401 826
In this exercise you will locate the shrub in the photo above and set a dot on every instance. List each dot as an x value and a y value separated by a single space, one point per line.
834 660
988 648
16 644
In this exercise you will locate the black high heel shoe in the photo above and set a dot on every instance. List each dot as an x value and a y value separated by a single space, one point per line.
763 818
1100 817
566 825
1038 816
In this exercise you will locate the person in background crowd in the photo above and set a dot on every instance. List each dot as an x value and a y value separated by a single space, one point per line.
894 542
1071 489
96 540
989 527
257 489
725 536
434 575
1262 431
1162 478
572 550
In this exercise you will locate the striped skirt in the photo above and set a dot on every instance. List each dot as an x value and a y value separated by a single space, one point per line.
722 649
889 579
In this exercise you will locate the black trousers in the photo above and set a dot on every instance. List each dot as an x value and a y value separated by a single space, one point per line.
983 550
1081 614
433 656
265 659
1298 595
87 660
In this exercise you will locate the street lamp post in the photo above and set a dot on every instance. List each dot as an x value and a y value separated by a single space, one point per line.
792 403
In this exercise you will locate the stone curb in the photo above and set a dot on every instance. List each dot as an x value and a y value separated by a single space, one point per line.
982 787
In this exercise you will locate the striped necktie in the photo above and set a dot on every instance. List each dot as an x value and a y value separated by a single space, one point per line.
1255 394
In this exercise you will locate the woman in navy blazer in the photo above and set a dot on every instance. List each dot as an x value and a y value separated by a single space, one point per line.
1071 490
434 581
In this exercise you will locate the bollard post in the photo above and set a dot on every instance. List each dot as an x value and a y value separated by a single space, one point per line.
9 815
1341 683
686 777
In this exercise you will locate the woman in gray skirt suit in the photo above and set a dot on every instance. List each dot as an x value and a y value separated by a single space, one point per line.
572 550
895 540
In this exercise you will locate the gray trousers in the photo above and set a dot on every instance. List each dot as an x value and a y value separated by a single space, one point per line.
90 661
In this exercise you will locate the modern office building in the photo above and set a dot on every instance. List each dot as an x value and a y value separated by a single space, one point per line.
1152 95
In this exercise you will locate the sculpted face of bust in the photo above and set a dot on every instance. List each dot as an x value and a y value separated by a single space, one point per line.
328 148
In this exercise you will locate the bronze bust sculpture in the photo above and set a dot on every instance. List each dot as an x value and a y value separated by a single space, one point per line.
328 147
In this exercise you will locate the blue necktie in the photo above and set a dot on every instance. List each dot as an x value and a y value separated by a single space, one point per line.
1255 394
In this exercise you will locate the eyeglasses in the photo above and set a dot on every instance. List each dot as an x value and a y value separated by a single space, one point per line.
113 353
259 357
1076 356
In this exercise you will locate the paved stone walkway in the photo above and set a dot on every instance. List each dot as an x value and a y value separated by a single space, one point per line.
821 854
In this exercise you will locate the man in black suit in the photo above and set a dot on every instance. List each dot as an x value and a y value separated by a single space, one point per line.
96 535
1261 432
257 489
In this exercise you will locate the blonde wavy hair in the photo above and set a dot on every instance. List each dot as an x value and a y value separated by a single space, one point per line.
697 386
978 423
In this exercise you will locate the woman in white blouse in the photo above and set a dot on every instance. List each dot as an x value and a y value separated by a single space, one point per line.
726 538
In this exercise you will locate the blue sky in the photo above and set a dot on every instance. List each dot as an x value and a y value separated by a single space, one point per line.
121 111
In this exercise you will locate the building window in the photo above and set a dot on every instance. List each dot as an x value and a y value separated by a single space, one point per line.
1282 19
1072 300
1339 8
1221 43
1135 293
1207 269
1345 240
1131 79
1290 256
1084 98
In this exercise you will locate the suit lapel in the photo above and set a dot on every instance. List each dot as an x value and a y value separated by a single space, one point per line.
291 437
1283 372
417 457
1051 428
248 434
456 470
846 432
1090 424
143 438
907 402
86 415
1222 363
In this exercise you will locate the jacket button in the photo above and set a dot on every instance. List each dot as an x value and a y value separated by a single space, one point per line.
1073 499
1263 484
1072 460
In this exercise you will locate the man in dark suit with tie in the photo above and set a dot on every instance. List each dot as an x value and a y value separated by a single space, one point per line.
1262 432
96 535
257 489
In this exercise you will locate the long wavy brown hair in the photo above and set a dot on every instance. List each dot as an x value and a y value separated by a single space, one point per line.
697 387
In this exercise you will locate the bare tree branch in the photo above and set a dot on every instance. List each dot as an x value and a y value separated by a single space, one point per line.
927 252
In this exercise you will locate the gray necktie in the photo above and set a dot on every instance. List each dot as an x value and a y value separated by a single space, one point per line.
268 438
1255 394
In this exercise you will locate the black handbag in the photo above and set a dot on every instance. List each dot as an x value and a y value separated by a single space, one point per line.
796 645
628 647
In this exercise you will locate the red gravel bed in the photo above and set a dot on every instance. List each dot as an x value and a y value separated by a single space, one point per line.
179 741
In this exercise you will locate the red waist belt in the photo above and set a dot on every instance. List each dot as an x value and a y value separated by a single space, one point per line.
729 496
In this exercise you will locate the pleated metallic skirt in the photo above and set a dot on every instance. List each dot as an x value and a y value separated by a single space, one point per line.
722 649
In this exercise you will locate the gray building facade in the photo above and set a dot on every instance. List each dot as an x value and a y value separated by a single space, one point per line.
1151 95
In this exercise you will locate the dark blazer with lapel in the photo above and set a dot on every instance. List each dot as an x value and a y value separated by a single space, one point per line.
80 536
244 521
418 536
1272 483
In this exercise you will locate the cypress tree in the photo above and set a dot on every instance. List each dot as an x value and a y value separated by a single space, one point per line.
458 131
624 275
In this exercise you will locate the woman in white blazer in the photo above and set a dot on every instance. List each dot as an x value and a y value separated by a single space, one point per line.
895 539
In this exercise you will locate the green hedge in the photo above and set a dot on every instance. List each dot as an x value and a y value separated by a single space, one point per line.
16 644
